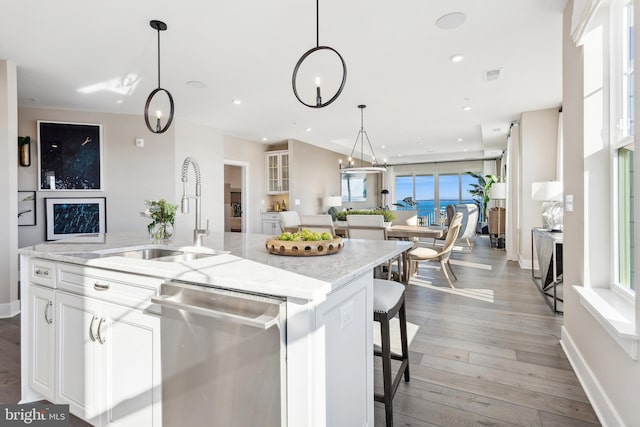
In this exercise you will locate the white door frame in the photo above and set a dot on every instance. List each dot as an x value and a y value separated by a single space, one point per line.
244 188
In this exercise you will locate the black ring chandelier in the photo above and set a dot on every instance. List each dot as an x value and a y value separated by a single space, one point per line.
319 103
158 26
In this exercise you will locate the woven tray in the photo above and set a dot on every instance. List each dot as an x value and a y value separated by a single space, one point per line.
304 248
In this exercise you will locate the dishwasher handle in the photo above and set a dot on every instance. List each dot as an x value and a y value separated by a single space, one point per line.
263 321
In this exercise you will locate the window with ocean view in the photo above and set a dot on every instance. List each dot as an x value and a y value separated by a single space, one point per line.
452 189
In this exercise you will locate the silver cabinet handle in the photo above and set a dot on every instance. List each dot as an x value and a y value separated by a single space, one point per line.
46 313
42 272
101 340
262 322
100 286
91 336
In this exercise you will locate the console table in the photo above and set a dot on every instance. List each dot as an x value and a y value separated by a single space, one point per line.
548 247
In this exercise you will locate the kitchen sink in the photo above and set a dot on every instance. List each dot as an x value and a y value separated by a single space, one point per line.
148 253
160 254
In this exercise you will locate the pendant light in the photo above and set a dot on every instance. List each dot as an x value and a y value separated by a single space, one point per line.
362 134
319 103
158 128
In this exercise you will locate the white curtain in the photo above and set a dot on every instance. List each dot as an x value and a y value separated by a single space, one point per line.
512 235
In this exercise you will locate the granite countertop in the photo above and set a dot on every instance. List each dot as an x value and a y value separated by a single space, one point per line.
247 266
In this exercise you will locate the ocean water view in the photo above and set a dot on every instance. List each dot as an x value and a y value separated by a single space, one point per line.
427 208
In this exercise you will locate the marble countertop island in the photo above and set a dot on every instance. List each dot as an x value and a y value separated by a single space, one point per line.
241 262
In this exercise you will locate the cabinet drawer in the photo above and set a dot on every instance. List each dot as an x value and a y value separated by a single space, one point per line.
121 288
271 217
42 272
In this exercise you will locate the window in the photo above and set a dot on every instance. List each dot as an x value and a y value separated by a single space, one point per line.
625 218
624 145
452 189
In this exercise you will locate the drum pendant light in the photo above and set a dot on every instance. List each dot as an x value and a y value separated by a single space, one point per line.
158 128
319 103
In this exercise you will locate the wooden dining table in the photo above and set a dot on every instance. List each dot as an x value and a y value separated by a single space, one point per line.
404 232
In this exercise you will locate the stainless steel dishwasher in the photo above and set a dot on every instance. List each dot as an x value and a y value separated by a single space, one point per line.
223 357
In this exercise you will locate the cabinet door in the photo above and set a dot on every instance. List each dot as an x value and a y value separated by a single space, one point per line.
273 173
77 321
130 367
42 340
284 172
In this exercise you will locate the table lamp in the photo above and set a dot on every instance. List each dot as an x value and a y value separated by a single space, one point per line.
550 194
331 203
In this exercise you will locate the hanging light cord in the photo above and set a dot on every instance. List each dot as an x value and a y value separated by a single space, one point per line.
158 56
317 23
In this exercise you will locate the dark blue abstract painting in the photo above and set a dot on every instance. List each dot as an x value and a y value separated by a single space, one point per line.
76 218
70 156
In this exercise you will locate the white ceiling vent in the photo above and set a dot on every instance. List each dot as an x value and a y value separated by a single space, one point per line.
491 75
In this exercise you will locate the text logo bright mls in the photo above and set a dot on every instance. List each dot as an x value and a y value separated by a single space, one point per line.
34 415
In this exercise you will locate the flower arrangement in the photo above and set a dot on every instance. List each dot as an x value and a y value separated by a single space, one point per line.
163 214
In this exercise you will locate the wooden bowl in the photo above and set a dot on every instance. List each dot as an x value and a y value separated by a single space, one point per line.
304 248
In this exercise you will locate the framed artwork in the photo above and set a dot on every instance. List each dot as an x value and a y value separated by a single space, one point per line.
70 156
354 187
26 208
75 216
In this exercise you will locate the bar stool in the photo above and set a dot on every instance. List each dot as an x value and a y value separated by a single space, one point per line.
388 300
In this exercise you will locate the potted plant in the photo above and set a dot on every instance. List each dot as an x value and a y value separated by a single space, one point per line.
480 193
24 150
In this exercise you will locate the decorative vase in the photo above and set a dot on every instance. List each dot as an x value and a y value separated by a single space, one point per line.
25 154
161 231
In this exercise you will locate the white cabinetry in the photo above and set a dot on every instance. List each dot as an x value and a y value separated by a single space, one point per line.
271 224
42 340
109 362
277 172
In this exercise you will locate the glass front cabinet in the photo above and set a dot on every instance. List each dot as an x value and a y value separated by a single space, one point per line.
277 172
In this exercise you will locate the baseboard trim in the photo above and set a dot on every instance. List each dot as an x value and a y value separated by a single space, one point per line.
8 310
606 412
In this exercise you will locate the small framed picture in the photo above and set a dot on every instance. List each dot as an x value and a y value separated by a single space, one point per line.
70 156
75 216
26 208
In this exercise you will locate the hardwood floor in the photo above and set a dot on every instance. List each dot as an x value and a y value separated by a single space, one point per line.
485 353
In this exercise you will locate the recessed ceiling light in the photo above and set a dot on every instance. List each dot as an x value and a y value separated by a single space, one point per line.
383 146
119 101
457 57
465 150
237 101
399 155
466 108
460 139
308 129
264 138
451 20
195 84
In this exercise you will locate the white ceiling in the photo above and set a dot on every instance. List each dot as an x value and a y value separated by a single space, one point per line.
397 59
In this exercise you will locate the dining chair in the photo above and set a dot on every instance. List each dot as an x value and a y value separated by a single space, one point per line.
289 221
317 223
429 254
371 227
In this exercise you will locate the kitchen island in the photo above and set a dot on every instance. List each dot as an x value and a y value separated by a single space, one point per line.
328 378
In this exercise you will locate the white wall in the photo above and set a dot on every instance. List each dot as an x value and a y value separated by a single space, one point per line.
205 145
130 174
538 149
9 304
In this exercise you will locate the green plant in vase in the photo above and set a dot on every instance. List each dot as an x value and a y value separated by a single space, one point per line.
163 215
